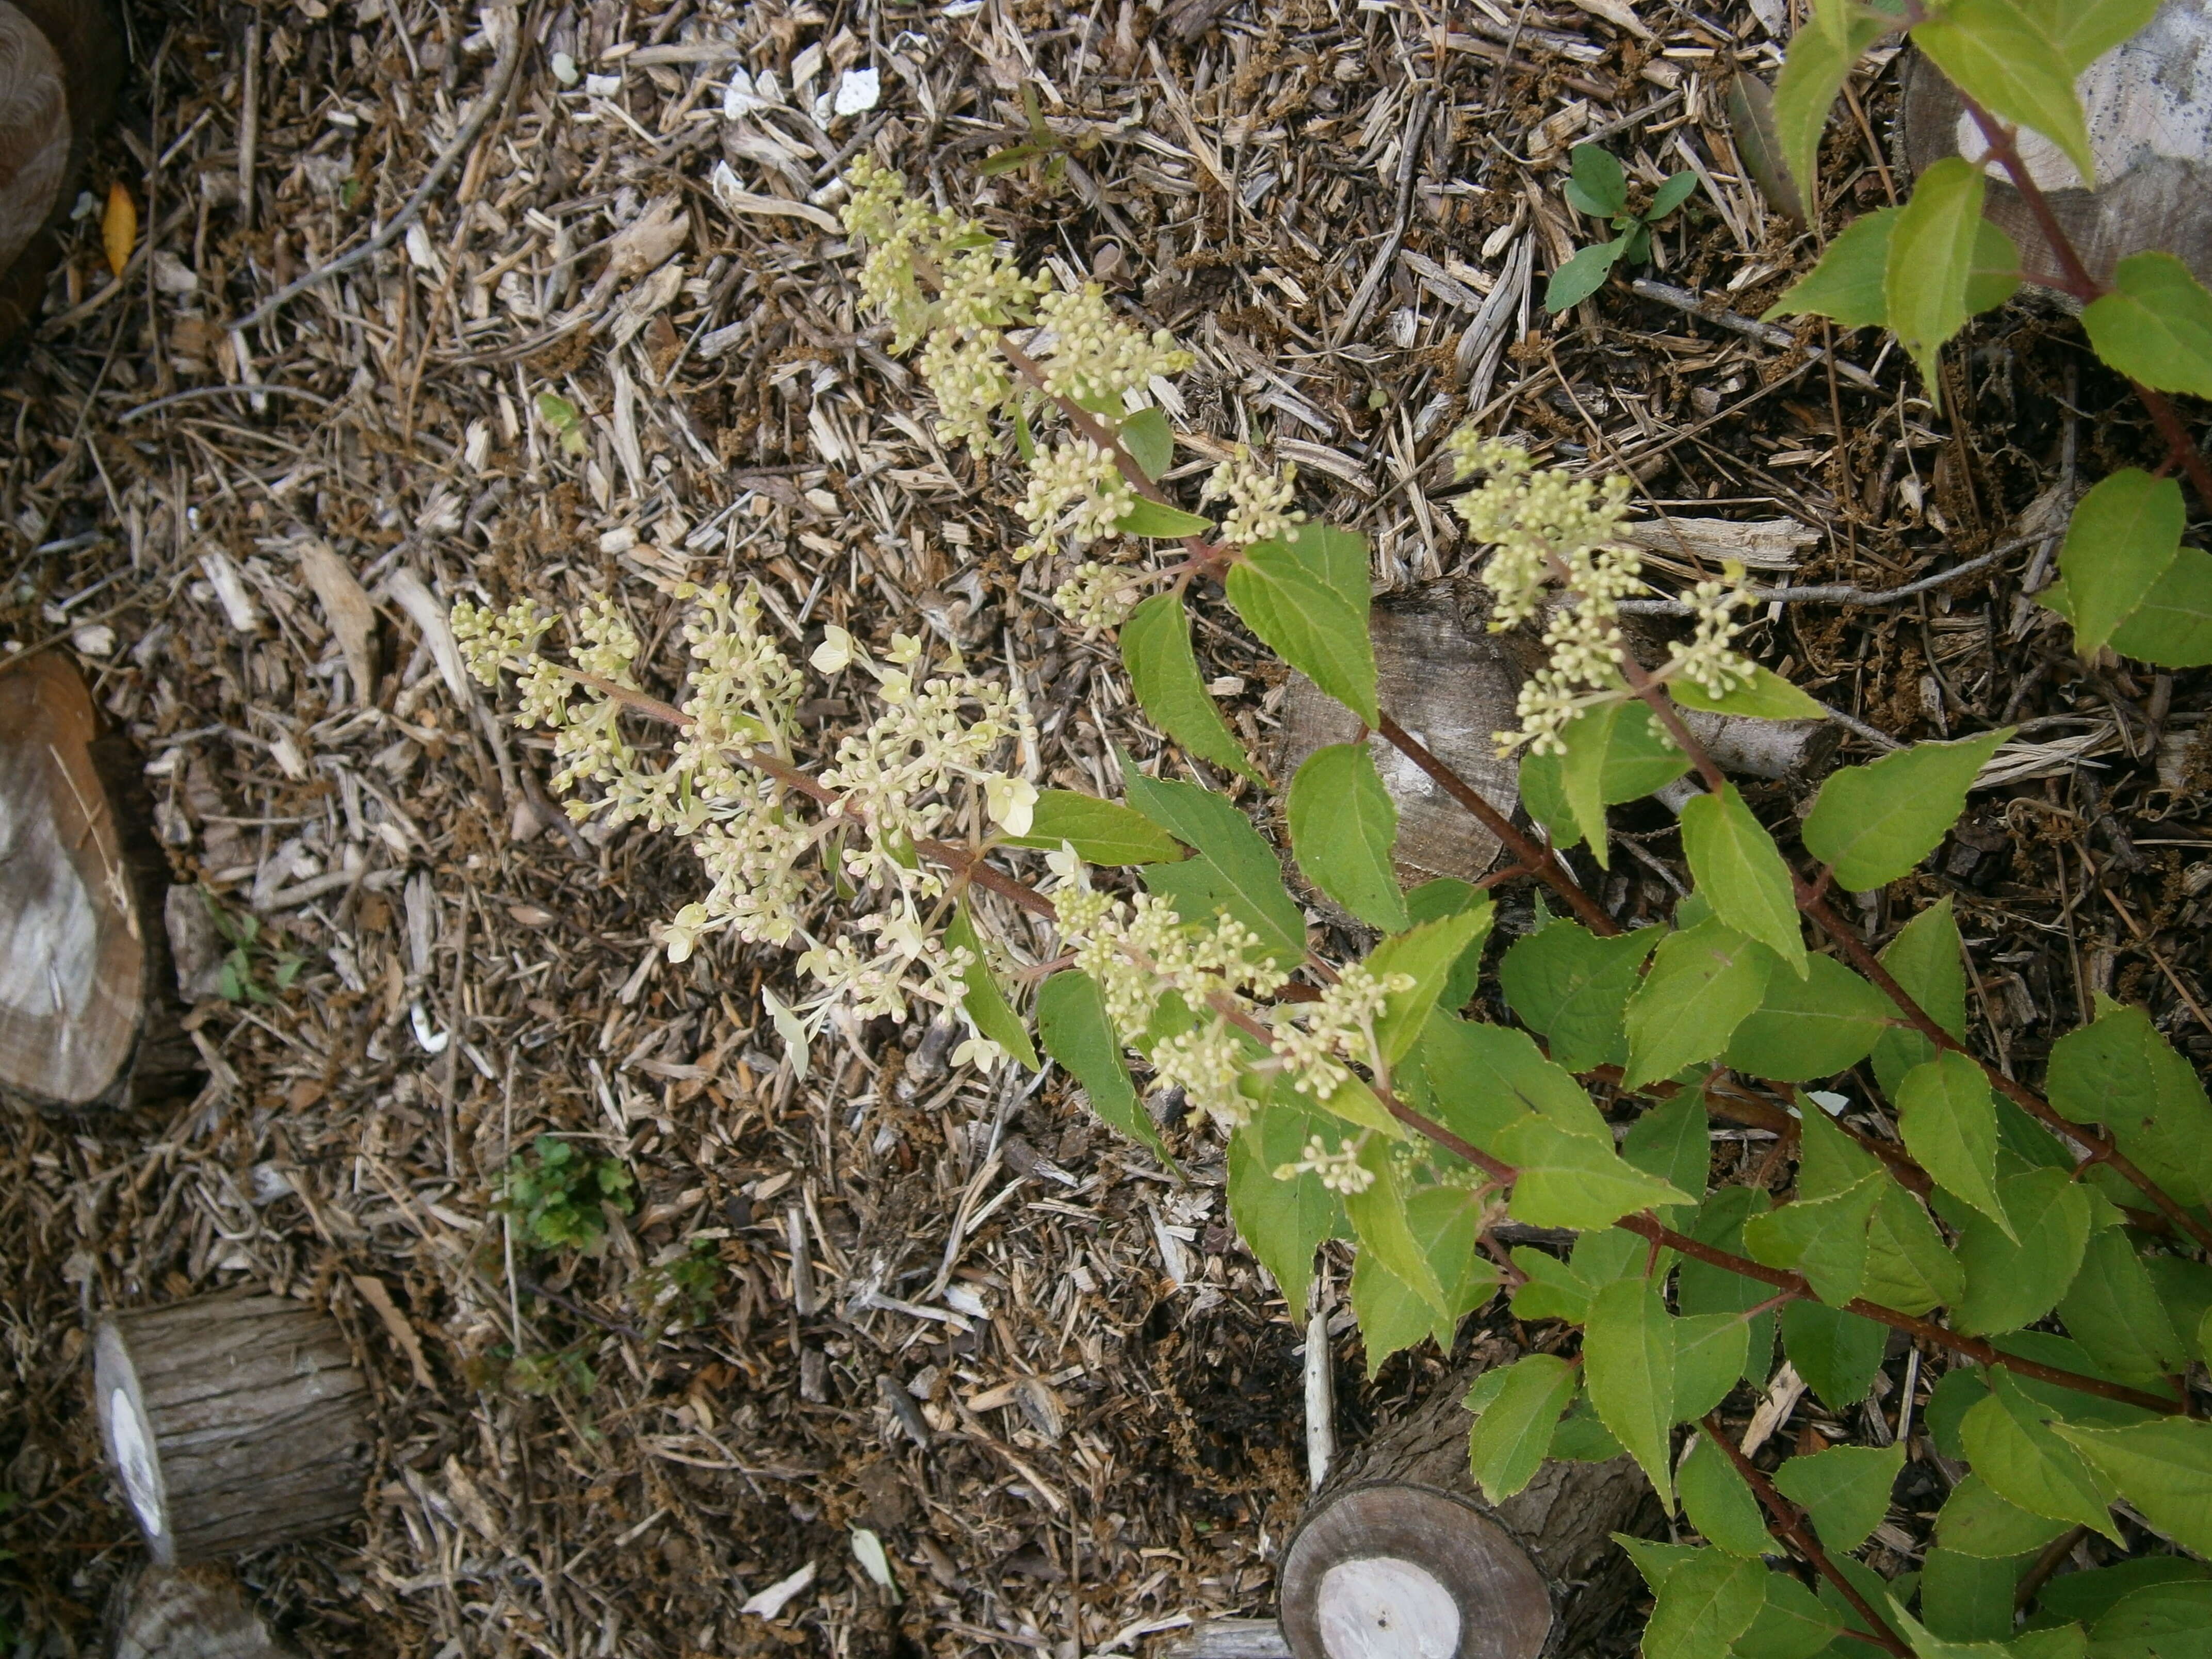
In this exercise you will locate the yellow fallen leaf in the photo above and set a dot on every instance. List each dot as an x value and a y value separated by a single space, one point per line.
119 227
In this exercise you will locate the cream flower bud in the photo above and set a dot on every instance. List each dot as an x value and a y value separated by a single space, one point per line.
1011 802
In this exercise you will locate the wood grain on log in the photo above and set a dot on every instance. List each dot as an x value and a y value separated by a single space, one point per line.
2150 132
186 1613
86 1016
232 1421
1399 1557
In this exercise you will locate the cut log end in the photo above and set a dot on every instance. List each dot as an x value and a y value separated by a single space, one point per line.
186 1613
232 1422
1405 1572
86 1017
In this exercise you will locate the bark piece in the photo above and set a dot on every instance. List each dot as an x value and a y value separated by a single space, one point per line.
186 1613
86 1017
1451 686
1399 1557
232 1421
2150 131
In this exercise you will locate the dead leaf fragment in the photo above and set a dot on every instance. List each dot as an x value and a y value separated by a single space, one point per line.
351 617
372 1292
119 227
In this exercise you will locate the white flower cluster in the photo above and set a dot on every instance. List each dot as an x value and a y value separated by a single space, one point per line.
1316 1038
1170 985
1076 490
1092 356
1098 595
1341 1172
921 767
1545 527
1258 499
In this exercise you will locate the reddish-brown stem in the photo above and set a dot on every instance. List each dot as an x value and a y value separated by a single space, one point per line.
2053 1557
2100 1146
1793 1526
1531 852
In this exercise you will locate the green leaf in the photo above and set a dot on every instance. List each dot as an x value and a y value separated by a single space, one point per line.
1705 1604
1740 870
1956 1393
1995 53
2010 1285
1283 1221
1628 1359
1677 189
1101 831
1792 1626
1392 1314
1967 1599
1701 986
1768 698
1149 440
1975 1520
1846 1489
1925 960
1819 61
2155 326
2089 1596
1430 953
1931 259
1674 1142
1380 1223
1909 1268
2113 1309
1582 274
1656 1562
1343 826
2009 1440
1718 1503
1848 285
1446 1222
1581 1438
1512 1438
1163 673
1070 1015
2185 1291
1432 900
1235 870
1483 1079
1573 986
2158 1621
2120 1071
1703 1288
1568 1180
1837 1354
1828 1160
2125 535
1823 1238
1597 173
2172 627
1709 1354
1949 1118
1319 629
1874 823
1810 1028
1149 518
1613 755
2084 30
985 1003
2163 1468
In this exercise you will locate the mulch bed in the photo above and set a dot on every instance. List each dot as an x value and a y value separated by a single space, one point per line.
1044 1370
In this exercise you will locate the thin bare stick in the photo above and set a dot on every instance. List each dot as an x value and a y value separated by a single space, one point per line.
1792 1525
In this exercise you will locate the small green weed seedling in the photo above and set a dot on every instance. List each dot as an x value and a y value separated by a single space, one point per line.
1598 187
677 1293
249 954
554 1194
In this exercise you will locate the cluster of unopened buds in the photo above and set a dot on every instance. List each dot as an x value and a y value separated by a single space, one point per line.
1548 529
928 763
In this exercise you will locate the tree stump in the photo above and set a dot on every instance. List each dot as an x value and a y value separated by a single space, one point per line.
88 1013
233 1421
2150 131
186 1613
1454 684
61 65
1399 1557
